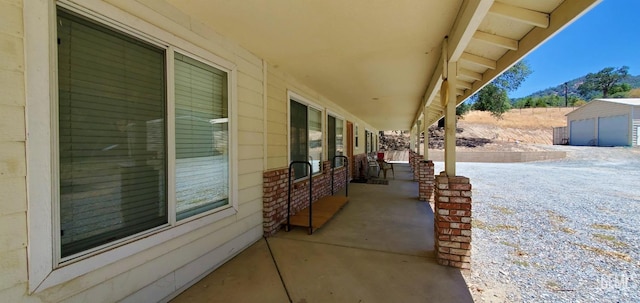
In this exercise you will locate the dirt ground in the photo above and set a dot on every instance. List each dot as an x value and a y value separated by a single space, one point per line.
528 125
527 129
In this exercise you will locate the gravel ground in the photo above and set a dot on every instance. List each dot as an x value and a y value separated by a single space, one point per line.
557 231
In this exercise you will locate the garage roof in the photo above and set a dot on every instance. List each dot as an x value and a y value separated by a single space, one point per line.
627 101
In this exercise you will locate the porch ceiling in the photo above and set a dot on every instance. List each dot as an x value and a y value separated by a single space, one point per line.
381 60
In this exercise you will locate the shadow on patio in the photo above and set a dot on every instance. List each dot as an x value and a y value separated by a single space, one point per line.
379 248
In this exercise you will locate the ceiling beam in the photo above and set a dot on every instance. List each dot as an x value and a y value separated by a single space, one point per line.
520 14
560 18
465 73
464 84
469 18
477 60
496 40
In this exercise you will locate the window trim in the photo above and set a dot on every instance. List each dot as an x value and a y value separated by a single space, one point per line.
344 126
291 95
41 86
355 135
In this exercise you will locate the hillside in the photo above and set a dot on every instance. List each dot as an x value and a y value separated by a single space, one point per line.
572 87
525 129
527 125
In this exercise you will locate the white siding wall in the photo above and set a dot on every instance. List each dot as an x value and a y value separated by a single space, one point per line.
158 272
277 116
13 203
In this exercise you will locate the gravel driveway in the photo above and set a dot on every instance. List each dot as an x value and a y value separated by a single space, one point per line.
557 231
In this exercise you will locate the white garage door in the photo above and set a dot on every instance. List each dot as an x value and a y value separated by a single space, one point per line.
583 132
613 131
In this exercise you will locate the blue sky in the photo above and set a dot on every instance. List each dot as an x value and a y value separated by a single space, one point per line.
608 35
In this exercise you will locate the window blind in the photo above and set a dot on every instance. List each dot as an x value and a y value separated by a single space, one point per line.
315 139
202 153
298 137
111 135
335 146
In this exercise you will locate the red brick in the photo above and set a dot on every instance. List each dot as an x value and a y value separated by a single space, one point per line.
460 252
458 179
445 205
444 224
444 237
449 218
461 239
448 257
460 199
457 186
461 213
465 206
449 244
449 193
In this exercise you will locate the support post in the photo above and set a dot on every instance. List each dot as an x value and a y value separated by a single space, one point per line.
450 120
418 136
425 129
411 139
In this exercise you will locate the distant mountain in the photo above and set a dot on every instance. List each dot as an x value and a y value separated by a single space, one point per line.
572 87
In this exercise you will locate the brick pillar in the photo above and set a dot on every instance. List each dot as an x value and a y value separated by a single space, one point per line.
426 180
453 221
416 166
411 159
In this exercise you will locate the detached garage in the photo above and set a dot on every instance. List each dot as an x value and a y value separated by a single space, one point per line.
605 122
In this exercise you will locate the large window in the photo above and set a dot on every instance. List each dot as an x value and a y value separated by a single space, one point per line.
305 137
335 145
115 164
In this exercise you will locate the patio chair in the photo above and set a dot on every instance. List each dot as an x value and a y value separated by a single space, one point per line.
372 164
384 167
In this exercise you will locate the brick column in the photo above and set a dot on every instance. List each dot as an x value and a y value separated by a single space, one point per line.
453 221
426 180
411 159
416 166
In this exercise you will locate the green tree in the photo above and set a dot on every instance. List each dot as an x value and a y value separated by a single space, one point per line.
604 81
493 97
462 109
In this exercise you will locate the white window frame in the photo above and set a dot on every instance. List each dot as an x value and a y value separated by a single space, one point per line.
46 269
302 100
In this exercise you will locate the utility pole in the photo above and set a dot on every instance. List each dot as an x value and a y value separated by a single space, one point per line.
566 90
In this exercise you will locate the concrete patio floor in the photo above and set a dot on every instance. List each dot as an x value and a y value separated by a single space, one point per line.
379 248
